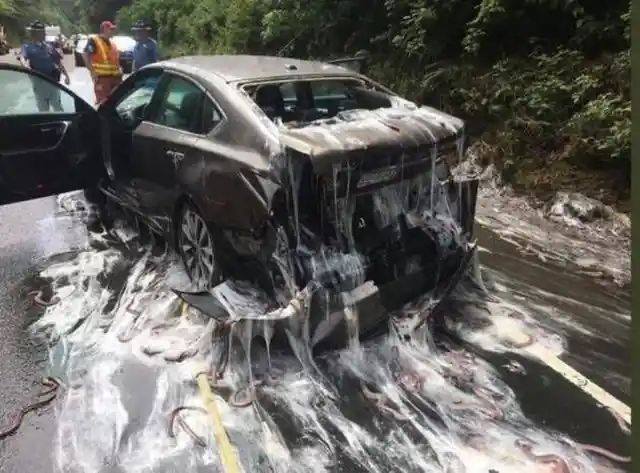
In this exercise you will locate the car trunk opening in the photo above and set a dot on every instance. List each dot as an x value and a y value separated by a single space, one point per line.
373 187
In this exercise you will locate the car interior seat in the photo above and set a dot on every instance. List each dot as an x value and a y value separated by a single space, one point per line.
269 98
189 116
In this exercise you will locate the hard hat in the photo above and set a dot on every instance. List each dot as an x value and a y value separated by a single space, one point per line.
141 25
36 26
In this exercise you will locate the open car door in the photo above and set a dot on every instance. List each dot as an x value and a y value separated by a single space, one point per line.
355 63
49 138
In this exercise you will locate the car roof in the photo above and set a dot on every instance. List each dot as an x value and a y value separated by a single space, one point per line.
239 68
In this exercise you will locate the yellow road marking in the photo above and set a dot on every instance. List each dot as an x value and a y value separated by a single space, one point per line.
228 455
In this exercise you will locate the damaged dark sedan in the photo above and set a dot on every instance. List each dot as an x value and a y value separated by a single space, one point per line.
303 181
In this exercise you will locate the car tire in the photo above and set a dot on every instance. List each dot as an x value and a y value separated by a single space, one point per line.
79 62
196 247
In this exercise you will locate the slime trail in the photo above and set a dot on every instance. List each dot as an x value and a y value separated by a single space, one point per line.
299 417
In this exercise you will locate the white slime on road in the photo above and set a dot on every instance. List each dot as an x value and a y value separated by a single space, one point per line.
302 422
600 248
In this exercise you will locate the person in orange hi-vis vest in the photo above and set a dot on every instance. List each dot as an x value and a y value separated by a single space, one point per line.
103 61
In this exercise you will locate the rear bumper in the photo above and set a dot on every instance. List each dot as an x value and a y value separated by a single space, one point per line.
374 305
370 303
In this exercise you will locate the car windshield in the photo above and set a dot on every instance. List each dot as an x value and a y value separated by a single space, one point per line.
303 100
124 43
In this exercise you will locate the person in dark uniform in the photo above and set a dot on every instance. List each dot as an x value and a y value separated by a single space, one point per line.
146 49
45 59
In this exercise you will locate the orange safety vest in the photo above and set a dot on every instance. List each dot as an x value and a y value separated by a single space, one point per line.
105 59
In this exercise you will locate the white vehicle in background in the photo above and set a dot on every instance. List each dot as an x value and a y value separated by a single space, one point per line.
125 45
54 36
52 31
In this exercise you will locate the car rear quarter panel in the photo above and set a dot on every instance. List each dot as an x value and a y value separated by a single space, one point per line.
223 179
227 193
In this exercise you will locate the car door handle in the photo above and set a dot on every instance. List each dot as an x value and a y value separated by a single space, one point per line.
57 128
175 155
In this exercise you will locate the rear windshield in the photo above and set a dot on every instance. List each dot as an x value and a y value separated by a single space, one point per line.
308 100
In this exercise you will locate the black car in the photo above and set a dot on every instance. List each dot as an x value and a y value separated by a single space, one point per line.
304 179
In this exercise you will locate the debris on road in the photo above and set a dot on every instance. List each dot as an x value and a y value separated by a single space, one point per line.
50 382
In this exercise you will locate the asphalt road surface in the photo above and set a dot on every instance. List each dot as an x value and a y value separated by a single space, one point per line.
31 233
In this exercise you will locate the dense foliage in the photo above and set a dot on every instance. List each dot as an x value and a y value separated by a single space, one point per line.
15 14
73 16
543 84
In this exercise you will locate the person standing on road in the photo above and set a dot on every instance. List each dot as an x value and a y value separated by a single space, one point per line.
41 57
146 49
103 61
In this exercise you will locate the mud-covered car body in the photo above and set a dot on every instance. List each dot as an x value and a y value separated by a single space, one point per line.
317 186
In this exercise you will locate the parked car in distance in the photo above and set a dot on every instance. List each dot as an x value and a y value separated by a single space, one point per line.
125 45
68 45
54 41
295 177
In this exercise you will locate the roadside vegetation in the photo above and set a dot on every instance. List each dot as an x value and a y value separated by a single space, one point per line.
543 84
73 16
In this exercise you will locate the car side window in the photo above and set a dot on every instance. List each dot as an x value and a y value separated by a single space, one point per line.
288 92
23 93
139 96
211 116
329 89
181 106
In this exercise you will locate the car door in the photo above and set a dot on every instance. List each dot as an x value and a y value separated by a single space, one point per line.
45 151
167 141
123 113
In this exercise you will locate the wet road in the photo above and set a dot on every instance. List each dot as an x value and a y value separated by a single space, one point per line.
29 234
592 318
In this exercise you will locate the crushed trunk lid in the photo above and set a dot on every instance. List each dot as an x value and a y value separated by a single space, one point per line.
358 133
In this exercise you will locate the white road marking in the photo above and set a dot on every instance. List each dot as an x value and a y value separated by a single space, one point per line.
573 376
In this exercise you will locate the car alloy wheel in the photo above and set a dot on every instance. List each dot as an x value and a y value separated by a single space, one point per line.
197 250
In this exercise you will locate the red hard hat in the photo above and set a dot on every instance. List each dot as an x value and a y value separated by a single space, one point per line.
107 25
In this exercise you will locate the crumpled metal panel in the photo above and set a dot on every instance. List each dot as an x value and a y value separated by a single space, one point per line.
329 141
